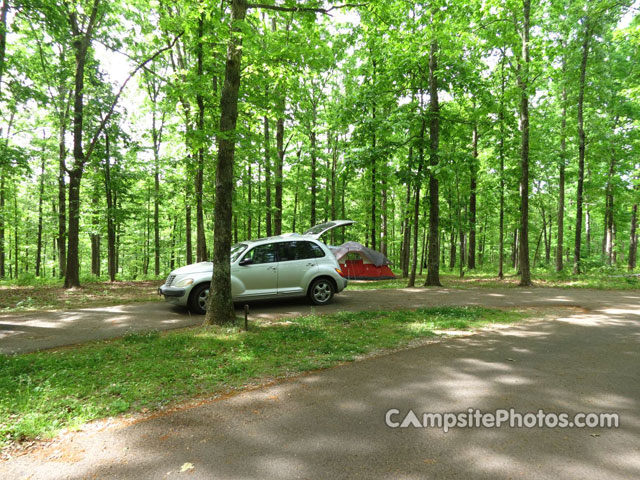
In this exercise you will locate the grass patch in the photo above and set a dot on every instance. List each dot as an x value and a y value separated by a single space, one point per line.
40 393
541 278
45 296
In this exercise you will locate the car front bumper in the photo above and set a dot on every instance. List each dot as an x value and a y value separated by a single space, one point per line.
171 291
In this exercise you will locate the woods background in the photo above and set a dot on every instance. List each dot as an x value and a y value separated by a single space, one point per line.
498 136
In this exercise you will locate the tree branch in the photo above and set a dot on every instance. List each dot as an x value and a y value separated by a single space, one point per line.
107 117
324 11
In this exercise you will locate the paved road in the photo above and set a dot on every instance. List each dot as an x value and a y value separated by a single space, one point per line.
35 331
330 424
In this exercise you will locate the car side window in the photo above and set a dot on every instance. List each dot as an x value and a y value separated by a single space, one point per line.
286 251
300 250
262 254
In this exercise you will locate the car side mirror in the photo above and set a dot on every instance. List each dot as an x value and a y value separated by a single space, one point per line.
245 261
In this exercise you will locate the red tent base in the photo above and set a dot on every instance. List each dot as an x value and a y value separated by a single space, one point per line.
358 270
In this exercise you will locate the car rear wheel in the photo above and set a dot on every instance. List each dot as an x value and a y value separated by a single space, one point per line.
198 299
321 291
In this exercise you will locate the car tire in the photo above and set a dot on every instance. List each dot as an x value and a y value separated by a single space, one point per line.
321 291
198 299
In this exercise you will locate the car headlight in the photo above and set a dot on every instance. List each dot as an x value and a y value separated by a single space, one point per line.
185 282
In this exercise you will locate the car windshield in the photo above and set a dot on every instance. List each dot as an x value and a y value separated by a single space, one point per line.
236 251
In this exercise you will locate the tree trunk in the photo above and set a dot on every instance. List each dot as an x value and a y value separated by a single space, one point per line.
220 305
62 198
267 176
472 201
452 249
295 196
4 10
314 187
501 156
416 207
633 238
95 227
385 223
373 171
581 148
608 216
172 258
561 180
156 218
73 266
3 272
111 213
81 43
201 239
277 214
406 239
433 259
424 248
249 200
334 166
16 225
514 250
2 198
525 272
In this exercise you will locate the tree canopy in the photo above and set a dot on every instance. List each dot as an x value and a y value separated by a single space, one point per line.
484 135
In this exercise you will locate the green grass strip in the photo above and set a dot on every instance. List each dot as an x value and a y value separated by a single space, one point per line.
41 393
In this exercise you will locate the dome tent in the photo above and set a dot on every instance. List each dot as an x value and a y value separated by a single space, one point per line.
371 265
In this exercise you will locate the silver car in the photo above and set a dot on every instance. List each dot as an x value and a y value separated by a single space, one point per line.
290 265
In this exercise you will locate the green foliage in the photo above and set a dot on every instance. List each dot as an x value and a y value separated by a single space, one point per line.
357 83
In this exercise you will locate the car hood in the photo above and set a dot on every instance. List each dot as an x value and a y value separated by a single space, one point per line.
201 267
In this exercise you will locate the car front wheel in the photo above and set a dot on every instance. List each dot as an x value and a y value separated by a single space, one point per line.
198 299
321 291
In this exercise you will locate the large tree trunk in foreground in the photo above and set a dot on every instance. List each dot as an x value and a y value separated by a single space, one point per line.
433 259
81 43
220 305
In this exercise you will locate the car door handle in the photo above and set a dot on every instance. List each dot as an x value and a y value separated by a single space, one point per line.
310 264
271 268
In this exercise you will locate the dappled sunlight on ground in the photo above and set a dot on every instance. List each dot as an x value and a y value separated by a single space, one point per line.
330 424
